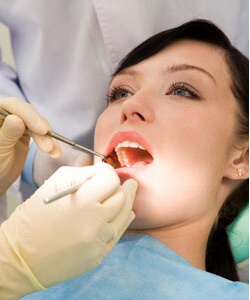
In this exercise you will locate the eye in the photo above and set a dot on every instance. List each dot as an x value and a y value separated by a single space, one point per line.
182 92
117 93
183 89
123 94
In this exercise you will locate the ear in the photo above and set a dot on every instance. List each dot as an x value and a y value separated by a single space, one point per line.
238 165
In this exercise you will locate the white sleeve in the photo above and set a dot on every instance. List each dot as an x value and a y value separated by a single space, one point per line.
9 82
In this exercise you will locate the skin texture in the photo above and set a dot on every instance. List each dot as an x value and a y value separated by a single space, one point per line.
191 139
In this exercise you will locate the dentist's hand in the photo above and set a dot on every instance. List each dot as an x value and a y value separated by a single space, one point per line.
42 245
14 143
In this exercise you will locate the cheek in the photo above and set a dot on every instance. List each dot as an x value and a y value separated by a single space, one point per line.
99 131
170 194
197 137
103 130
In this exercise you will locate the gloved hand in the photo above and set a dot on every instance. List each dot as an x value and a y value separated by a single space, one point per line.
14 143
42 245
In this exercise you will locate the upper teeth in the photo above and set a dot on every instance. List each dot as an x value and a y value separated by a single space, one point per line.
129 144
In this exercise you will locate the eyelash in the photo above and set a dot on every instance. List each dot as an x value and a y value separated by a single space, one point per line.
112 95
185 87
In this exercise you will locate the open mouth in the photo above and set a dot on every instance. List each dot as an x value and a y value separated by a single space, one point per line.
130 155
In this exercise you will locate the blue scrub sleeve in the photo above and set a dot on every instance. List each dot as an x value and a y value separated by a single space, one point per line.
28 170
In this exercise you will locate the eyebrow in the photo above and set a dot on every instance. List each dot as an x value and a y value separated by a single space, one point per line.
172 69
185 67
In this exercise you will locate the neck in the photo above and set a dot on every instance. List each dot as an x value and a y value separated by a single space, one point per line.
187 240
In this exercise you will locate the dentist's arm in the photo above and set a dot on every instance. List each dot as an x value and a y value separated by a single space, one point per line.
42 245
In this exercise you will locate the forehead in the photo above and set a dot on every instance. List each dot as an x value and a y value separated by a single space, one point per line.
204 55
185 52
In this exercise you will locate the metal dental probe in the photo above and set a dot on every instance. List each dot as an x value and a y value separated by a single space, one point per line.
63 139
72 143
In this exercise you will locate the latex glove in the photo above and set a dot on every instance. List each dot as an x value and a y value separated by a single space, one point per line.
45 165
42 245
14 143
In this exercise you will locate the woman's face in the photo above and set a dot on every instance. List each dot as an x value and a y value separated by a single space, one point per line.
178 106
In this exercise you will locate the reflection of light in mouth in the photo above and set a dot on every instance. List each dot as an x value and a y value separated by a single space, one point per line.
130 154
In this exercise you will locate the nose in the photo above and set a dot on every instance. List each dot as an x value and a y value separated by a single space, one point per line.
137 109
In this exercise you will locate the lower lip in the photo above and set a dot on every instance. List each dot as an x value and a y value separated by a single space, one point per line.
129 172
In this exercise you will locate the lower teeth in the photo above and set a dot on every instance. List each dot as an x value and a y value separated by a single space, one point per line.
135 165
139 164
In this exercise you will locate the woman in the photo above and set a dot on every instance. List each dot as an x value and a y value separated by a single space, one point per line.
177 122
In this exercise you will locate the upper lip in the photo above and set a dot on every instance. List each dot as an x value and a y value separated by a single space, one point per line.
131 136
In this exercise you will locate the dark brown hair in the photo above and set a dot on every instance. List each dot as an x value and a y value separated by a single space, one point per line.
219 258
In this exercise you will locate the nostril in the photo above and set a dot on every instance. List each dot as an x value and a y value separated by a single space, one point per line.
123 118
136 114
